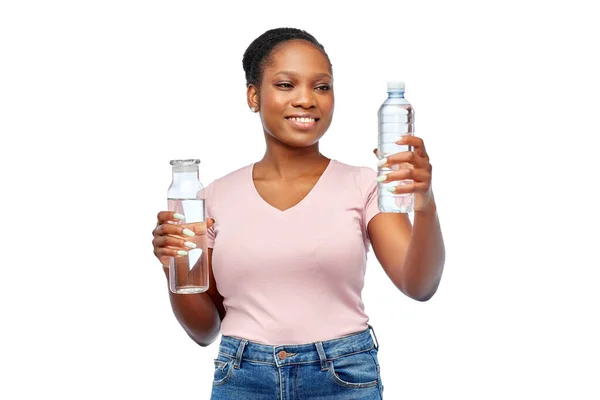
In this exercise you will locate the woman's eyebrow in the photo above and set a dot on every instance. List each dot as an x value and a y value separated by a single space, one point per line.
295 74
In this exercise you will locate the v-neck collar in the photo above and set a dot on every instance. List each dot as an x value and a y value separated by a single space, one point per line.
301 202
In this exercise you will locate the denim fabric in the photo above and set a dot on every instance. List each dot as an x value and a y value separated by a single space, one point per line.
342 369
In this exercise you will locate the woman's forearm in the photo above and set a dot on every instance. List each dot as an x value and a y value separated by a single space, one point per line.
197 314
425 256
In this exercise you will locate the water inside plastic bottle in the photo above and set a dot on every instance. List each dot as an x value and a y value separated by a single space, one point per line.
396 119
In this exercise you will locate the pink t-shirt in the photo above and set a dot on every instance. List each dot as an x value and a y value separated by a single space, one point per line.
293 276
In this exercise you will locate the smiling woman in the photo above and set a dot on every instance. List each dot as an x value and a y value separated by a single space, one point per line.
288 244
294 93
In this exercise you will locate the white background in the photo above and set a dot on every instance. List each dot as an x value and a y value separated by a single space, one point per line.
97 96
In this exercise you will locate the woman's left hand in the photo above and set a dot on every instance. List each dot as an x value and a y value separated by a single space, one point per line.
412 165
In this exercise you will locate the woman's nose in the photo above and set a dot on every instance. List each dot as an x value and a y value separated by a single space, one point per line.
304 98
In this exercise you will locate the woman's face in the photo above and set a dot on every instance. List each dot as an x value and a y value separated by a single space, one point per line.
296 99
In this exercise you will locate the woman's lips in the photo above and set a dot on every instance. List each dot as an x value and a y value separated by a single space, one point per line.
302 123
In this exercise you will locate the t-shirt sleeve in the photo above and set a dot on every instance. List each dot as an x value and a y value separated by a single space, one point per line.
208 195
368 188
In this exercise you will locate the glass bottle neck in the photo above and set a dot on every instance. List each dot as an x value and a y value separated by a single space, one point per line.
398 95
184 176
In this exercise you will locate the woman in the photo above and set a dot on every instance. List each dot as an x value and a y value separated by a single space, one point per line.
288 241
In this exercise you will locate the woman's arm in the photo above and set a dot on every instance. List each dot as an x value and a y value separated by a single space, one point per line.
412 257
200 314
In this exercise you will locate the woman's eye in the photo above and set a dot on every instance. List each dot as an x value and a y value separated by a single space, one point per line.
323 88
284 85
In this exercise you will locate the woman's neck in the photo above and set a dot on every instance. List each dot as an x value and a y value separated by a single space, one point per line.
291 163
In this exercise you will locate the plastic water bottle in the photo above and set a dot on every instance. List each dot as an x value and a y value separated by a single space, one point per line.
189 273
396 119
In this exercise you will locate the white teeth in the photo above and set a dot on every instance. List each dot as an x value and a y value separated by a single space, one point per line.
303 120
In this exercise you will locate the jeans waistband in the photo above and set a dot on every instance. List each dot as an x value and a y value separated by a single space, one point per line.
323 351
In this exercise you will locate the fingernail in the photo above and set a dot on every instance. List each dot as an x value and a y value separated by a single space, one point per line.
182 253
381 178
187 232
382 161
178 216
190 245
392 189
400 140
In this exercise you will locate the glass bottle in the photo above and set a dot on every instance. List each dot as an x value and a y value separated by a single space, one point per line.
189 273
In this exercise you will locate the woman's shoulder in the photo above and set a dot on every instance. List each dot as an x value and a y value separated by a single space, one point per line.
240 173
357 178
359 172
230 179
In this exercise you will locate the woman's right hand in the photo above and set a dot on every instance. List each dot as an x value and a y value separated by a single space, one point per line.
171 238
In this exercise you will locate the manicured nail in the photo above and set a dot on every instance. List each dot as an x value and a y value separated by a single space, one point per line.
178 216
392 189
381 178
382 161
400 140
182 253
187 232
190 245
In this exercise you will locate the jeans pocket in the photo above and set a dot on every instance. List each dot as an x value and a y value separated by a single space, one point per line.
374 353
356 371
223 369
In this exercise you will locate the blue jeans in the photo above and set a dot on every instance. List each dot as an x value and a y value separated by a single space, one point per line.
341 369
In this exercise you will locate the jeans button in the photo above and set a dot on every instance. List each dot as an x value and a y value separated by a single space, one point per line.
282 355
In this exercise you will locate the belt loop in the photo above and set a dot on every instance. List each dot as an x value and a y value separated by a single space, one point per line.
238 357
375 336
322 356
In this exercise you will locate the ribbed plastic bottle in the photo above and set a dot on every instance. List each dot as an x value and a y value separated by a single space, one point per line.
396 118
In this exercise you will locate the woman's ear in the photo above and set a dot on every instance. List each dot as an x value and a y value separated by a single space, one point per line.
252 96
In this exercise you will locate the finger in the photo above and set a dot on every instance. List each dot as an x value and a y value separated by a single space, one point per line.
416 143
176 230
405 157
167 252
166 216
200 228
410 187
210 222
418 175
173 242
411 140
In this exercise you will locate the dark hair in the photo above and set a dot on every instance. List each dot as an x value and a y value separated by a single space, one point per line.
258 54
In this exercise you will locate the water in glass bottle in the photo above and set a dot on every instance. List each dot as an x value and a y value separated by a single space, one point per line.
189 273
396 119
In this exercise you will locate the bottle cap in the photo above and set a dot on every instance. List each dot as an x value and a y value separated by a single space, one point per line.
184 163
187 165
395 86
